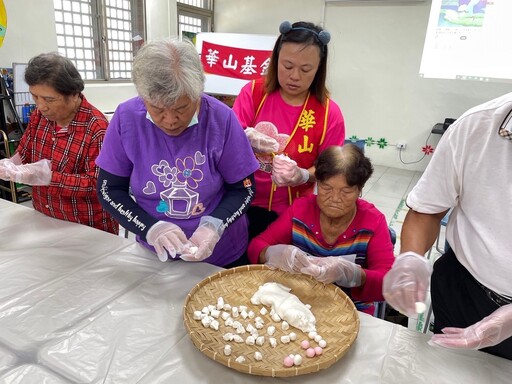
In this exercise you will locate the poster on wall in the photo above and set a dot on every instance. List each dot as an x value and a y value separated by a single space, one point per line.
230 60
3 22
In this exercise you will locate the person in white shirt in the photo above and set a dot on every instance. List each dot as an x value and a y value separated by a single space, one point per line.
471 289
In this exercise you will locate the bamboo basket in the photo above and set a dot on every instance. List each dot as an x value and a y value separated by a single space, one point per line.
337 321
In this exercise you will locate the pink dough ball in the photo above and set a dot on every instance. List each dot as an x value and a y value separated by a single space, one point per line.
304 344
310 352
318 351
288 361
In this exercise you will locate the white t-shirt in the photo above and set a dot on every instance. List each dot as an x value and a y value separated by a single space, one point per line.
471 170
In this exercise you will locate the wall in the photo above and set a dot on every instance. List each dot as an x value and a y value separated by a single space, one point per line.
31 30
375 54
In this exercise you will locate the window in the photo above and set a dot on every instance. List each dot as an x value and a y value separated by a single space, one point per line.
101 37
194 16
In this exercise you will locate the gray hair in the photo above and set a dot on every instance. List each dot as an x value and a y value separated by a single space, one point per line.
348 161
56 71
165 70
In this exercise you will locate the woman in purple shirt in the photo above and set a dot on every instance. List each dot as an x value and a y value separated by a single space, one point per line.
183 157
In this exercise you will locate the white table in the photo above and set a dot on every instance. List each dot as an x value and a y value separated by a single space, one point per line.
78 305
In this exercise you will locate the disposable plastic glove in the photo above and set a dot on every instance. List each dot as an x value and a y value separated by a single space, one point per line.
9 163
286 258
203 240
260 142
407 282
334 269
286 172
6 168
489 331
167 238
38 173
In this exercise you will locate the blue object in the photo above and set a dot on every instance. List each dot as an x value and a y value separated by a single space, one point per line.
359 143
392 234
26 111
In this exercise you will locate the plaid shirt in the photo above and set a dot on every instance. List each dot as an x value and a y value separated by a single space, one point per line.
72 150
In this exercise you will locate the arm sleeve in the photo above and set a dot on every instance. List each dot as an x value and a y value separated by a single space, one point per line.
279 232
235 201
114 195
379 260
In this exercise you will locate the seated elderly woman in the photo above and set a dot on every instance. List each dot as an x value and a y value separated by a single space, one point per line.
172 148
334 236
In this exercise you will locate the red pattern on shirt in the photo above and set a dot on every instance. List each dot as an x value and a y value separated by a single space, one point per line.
72 150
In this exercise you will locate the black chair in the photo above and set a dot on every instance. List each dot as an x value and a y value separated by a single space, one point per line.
380 306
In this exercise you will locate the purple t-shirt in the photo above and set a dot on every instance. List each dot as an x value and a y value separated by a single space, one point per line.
181 178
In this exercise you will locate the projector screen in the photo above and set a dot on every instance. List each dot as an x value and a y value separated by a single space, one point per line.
469 40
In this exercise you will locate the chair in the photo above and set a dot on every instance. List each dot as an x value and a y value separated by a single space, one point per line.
444 223
380 306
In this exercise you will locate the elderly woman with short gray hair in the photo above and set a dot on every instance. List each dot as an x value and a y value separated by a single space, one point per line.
172 147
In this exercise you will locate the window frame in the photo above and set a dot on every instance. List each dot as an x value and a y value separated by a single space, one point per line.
103 68
184 9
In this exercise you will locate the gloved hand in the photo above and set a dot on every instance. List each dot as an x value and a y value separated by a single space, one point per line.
166 237
407 282
6 168
203 240
489 331
7 163
38 173
334 269
285 172
286 258
260 142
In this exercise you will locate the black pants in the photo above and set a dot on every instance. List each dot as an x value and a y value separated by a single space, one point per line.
259 220
458 300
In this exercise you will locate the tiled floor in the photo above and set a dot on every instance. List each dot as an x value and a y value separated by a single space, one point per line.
386 189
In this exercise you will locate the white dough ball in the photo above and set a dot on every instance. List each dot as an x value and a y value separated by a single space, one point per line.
420 307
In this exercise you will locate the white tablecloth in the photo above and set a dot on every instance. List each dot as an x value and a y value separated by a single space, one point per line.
78 305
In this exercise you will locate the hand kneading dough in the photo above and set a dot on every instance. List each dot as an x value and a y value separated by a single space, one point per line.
286 305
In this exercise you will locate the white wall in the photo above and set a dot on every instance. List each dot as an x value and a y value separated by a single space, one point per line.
31 30
375 54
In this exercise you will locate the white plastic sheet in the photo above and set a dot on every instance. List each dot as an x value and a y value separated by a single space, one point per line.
78 305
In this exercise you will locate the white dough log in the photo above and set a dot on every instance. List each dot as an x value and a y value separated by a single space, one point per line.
286 305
